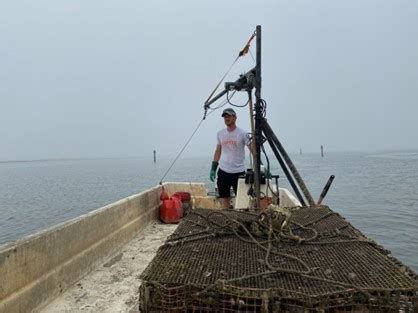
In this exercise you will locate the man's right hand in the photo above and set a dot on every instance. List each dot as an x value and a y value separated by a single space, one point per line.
212 174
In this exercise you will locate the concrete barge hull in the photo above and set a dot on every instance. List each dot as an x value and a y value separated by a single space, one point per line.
38 268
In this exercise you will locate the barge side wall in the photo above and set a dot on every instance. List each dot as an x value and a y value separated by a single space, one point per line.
36 269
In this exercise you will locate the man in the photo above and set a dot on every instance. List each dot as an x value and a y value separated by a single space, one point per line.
230 155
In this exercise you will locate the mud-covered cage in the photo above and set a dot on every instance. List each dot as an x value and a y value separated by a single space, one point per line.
224 261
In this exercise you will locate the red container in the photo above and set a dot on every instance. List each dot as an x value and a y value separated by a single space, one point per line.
185 199
178 205
184 196
171 211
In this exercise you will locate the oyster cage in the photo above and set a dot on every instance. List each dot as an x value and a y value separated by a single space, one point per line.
236 261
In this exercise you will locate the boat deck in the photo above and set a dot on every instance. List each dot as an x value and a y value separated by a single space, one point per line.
113 285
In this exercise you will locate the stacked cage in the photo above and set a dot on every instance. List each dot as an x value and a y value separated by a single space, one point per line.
232 261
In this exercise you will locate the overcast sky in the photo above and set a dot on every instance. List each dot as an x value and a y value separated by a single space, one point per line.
121 78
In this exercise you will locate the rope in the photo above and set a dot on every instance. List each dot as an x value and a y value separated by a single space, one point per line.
287 271
214 229
181 151
188 141
222 79
243 52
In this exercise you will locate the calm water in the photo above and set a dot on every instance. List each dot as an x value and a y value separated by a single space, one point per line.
376 192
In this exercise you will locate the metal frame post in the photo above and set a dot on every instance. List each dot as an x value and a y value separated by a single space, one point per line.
258 118
267 129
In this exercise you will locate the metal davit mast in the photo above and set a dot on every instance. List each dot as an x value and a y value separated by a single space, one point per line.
258 118
252 81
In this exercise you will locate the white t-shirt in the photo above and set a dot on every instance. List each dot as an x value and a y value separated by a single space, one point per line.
233 149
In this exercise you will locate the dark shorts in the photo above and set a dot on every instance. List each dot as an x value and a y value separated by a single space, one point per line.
226 181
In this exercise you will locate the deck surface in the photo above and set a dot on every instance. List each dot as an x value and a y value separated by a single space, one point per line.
113 285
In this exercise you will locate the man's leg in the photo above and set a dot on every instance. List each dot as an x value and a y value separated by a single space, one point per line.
224 187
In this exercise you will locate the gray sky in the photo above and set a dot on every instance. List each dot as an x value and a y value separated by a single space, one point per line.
121 78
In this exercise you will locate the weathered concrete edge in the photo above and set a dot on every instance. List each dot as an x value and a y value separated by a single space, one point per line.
41 291
38 291
28 259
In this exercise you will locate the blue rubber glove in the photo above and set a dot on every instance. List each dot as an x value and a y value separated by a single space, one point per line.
212 174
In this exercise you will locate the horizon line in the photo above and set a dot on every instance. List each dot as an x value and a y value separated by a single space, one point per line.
171 156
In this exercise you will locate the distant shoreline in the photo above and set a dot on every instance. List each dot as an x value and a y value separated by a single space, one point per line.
165 157
67 159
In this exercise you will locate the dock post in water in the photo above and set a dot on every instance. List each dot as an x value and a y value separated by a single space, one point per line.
322 151
155 156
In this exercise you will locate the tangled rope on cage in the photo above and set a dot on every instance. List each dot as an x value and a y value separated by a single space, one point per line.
263 233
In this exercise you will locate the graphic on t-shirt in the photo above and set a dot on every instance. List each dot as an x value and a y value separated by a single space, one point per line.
230 144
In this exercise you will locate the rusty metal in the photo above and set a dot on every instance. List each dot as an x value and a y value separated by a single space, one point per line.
270 134
212 264
286 171
325 190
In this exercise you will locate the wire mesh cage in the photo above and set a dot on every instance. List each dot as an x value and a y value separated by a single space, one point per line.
241 261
